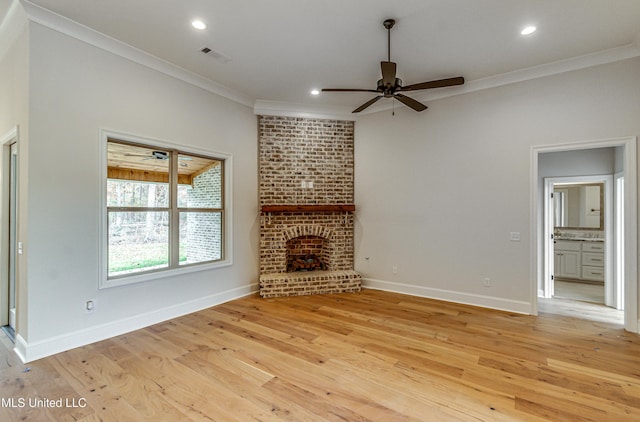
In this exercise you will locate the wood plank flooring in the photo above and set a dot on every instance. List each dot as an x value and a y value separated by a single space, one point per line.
370 356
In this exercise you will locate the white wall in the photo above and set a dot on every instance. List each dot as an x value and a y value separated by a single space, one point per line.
438 192
596 161
77 89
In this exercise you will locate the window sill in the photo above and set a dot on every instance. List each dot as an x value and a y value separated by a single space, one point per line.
107 283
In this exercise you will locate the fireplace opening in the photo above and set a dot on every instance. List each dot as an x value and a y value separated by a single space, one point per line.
307 253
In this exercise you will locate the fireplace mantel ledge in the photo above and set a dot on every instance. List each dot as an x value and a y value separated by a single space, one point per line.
309 208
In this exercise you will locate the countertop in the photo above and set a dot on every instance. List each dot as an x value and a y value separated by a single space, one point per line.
579 239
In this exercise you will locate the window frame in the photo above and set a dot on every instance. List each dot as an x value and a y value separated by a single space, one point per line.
174 267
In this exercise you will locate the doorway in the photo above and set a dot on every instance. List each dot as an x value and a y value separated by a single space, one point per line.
10 246
581 240
623 247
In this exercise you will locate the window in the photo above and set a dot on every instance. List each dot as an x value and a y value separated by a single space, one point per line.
165 209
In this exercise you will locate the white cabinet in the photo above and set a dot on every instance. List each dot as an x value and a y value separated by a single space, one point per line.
593 273
593 261
567 259
583 260
593 247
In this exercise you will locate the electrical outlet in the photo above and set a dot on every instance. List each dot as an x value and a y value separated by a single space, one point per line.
90 306
486 282
514 236
394 269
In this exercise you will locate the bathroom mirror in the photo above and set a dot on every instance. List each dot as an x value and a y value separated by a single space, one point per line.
579 206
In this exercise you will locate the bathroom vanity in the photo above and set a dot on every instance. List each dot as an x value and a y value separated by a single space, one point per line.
579 259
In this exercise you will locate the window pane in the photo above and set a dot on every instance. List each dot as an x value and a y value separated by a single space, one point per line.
138 241
200 181
121 193
200 237
137 176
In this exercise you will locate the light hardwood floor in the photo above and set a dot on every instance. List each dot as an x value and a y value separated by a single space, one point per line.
354 357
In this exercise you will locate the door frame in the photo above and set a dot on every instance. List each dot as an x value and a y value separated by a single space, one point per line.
538 258
6 141
618 227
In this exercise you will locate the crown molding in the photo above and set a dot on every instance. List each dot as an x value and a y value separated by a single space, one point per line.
97 39
286 109
611 55
59 23
548 69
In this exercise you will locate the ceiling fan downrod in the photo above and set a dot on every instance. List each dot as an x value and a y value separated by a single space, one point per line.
388 24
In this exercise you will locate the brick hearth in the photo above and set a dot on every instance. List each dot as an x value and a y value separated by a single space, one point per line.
308 283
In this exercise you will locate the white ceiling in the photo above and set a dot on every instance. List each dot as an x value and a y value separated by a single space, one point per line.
279 50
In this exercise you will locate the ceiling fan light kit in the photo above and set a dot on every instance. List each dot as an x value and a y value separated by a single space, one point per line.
390 86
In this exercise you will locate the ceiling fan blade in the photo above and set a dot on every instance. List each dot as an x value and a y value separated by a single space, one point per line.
367 104
388 73
441 83
347 90
410 102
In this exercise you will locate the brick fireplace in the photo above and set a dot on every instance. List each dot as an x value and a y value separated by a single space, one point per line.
306 199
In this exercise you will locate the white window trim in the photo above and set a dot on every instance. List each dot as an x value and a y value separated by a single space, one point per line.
104 281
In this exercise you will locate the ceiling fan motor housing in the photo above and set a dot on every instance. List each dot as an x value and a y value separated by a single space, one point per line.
160 155
388 91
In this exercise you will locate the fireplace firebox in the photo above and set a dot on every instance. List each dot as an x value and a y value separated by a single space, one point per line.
307 253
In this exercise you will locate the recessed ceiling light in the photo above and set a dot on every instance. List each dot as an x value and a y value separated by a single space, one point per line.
528 30
315 92
198 24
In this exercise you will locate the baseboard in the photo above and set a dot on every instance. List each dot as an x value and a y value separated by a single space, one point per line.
20 348
491 302
30 351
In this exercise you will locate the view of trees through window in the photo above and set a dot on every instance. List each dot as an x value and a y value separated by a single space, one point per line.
143 234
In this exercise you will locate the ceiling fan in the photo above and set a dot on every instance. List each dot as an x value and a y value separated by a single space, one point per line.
391 87
157 155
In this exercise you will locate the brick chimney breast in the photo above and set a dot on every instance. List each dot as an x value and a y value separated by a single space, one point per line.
306 162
